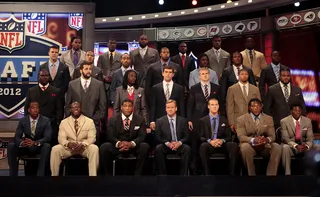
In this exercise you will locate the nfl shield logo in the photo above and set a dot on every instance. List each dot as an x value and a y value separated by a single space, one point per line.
37 22
75 21
12 34
3 149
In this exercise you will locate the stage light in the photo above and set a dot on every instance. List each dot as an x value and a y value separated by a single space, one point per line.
130 18
161 2
236 4
223 6
117 19
229 1
169 14
194 2
297 4
208 9
249 1
143 16
196 10
183 12
104 20
156 15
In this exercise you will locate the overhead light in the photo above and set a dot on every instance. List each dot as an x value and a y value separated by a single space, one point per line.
143 16
183 12
156 15
297 4
117 19
229 1
249 1
161 2
104 20
223 6
169 14
194 2
130 18
208 8
196 10
236 4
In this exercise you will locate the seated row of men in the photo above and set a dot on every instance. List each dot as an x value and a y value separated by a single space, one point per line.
127 131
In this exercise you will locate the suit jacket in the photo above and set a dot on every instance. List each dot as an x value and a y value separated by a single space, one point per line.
96 73
163 131
86 133
224 131
42 132
288 131
189 66
142 64
276 106
49 102
237 103
224 61
268 78
137 129
158 101
67 59
197 104
95 102
229 78
259 61
104 63
139 102
247 128
61 79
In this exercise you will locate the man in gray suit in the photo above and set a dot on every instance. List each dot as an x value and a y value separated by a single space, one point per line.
297 136
219 59
73 57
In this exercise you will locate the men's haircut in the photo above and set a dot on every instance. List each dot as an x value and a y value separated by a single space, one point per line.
43 70
200 56
126 101
75 102
231 57
243 70
54 47
34 102
182 43
170 68
83 64
215 36
284 69
171 101
203 69
212 99
293 105
164 48
125 80
112 39
254 100
75 37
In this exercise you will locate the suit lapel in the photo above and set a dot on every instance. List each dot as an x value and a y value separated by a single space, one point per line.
272 74
233 75
132 124
252 123
292 125
178 128
71 125
89 90
240 91
136 92
38 125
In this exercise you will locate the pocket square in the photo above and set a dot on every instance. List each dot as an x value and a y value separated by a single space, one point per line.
139 95
136 127
304 129
223 125
224 57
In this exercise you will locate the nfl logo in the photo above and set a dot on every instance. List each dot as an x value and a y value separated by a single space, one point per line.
12 34
37 22
3 149
76 21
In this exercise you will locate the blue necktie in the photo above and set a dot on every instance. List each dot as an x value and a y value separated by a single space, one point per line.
213 128
173 133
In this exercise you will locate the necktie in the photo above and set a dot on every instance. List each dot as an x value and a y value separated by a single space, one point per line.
256 120
85 87
286 92
217 54
111 58
298 134
183 59
238 72
244 89
251 56
43 88
167 92
130 89
164 66
206 92
33 128
277 72
126 124
53 71
213 128
173 133
76 126
75 58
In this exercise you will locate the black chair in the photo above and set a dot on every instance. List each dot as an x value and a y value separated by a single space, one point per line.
174 157
129 157
66 162
30 163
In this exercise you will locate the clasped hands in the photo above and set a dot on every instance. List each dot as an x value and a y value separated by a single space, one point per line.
301 148
216 143
76 148
124 146
260 140
29 143
174 145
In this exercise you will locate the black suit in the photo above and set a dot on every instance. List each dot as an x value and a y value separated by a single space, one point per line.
42 135
96 73
116 133
268 78
229 148
50 106
275 103
189 66
158 101
163 135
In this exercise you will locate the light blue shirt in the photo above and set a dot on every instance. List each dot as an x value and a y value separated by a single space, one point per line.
194 77
215 133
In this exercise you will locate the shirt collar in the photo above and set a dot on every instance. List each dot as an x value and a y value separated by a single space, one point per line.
240 67
170 83
241 84
145 48
46 86
124 117
84 80
211 116
167 62
216 49
183 54
56 63
282 84
294 120
174 117
273 65
73 51
254 116
203 84
34 119
124 69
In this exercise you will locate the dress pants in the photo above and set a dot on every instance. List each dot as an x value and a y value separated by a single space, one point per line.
287 153
15 151
160 158
108 153
273 150
59 152
230 150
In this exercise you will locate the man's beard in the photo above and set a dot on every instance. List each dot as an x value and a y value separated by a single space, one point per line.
86 76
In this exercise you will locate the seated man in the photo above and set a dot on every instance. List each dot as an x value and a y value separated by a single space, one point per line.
77 135
126 134
297 136
32 137
172 134
215 135
256 134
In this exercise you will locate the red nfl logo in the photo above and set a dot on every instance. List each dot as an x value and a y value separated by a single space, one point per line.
76 21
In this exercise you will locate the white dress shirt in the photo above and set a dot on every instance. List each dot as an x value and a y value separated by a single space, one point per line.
282 88
143 51
41 86
235 70
247 87
83 81
165 86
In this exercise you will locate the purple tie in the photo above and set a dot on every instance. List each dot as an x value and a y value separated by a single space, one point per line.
75 59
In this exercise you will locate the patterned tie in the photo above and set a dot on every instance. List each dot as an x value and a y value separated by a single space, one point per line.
130 90
53 71
183 59
75 58
213 129
238 72
277 72
298 134
76 126
33 128
111 58
251 56
286 92
126 124
206 92
173 133
85 87
44 88
256 120
167 92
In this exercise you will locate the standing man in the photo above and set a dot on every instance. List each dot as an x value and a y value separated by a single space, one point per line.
280 96
215 135
32 137
297 136
48 98
219 59
77 135
172 136
96 72
271 74
73 57
186 63
126 135
252 58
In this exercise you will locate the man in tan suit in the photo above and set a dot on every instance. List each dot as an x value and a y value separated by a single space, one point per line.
77 135
256 134
252 58
297 136
238 96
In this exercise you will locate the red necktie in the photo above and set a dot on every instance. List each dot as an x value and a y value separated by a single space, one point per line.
183 59
298 134
43 88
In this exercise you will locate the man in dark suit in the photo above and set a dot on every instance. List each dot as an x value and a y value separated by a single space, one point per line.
280 96
162 92
197 108
172 136
230 76
59 73
215 135
96 71
48 98
32 137
126 134
271 74
186 63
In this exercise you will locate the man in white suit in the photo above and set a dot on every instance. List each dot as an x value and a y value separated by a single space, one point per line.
77 135
73 57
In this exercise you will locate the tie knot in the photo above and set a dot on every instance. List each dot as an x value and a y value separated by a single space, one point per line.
167 85
44 88
214 118
33 121
297 122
